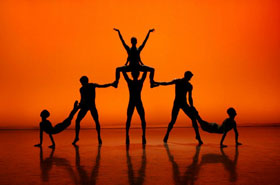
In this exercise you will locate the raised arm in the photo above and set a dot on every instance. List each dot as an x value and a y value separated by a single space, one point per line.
121 38
125 76
144 42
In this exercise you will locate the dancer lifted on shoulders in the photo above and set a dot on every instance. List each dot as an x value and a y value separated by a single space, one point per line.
134 61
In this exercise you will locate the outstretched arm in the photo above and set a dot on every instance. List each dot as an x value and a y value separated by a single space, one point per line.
167 83
103 85
144 42
125 76
121 38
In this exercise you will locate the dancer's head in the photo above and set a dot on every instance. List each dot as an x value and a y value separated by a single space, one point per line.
45 114
231 112
133 41
188 75
135 74
84 80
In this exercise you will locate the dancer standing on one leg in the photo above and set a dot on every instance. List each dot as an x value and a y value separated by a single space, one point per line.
134 61
135 88
86 104
182 88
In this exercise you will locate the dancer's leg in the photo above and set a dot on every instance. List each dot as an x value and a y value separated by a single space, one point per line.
66 123
152 73
191 115
118 71
175 111
141 112
94 115
206 126
130 110
80 116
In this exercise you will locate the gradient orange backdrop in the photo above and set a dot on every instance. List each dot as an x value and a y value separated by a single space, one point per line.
232 47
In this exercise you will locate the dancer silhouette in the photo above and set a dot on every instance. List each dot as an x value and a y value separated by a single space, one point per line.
134 61
182 88
87 103
227 125
135 88
46 126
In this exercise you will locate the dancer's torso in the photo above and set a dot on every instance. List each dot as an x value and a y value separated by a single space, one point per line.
228 124
133 57
87 95
135 88
46 126
181 89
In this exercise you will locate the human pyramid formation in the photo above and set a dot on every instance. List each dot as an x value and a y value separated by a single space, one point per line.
135 65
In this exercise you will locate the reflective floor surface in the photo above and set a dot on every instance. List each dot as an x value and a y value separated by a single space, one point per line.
179 162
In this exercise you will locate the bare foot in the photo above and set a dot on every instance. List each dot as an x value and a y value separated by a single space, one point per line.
144 140
165 139
199 140
115 84
75 141
127 140
223 146
154 84
238 143
38 145
51 146
99 141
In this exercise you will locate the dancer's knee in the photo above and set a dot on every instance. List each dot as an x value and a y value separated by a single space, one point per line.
171 124
119 69
150 69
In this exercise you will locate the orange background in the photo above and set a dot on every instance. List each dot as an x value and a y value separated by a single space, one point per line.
232 47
